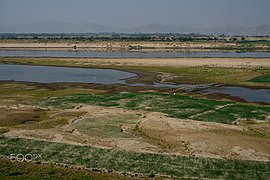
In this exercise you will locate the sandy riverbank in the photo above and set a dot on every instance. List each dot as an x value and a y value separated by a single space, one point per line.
178 62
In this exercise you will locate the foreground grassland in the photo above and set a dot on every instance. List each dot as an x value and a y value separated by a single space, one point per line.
152 164
38 170
104 115
162 120
263 78
177 106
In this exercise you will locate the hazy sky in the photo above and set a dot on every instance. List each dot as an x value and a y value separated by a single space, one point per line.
130 13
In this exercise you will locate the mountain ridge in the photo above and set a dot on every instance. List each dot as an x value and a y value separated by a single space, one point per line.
63 27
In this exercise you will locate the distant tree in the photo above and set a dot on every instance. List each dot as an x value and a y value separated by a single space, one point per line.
222 35
243 38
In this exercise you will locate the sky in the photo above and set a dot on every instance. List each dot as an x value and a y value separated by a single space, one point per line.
132 13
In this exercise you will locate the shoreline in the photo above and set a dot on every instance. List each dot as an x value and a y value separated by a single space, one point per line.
129 45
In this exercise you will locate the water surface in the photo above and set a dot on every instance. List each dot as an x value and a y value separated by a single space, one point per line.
48 74
249 95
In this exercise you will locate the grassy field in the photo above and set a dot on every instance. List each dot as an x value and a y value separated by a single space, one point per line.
37 170
263 78
18 105
20 116
178 106
122 161
195 75
106 126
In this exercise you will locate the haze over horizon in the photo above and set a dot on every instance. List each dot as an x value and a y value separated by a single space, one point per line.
131 13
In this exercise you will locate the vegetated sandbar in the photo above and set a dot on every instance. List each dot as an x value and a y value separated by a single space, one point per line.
257 44
174 62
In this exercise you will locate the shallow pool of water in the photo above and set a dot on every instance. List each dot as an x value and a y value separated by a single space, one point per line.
249 95
48 74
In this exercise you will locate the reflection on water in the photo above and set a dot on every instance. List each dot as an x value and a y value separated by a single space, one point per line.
139 54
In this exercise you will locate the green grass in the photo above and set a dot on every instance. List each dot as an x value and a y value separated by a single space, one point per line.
43 61
258 42
11 117
107 126
30 94
206 74
177 106
264 78
32 170
123 161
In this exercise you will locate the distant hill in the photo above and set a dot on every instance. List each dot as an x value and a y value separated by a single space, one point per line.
60 27
159 28
55 27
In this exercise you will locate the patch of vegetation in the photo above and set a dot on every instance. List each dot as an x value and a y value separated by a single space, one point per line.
28 170
15 93
264 78
177 106
153 139
106 126
35 61
3 130
14 117
53 120
122 161
195 75
254 128
256 42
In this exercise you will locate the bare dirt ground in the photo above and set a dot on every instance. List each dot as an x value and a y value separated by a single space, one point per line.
167 62
178 62
155 133
205 139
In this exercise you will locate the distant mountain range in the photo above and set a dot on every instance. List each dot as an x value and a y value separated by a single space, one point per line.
60 27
